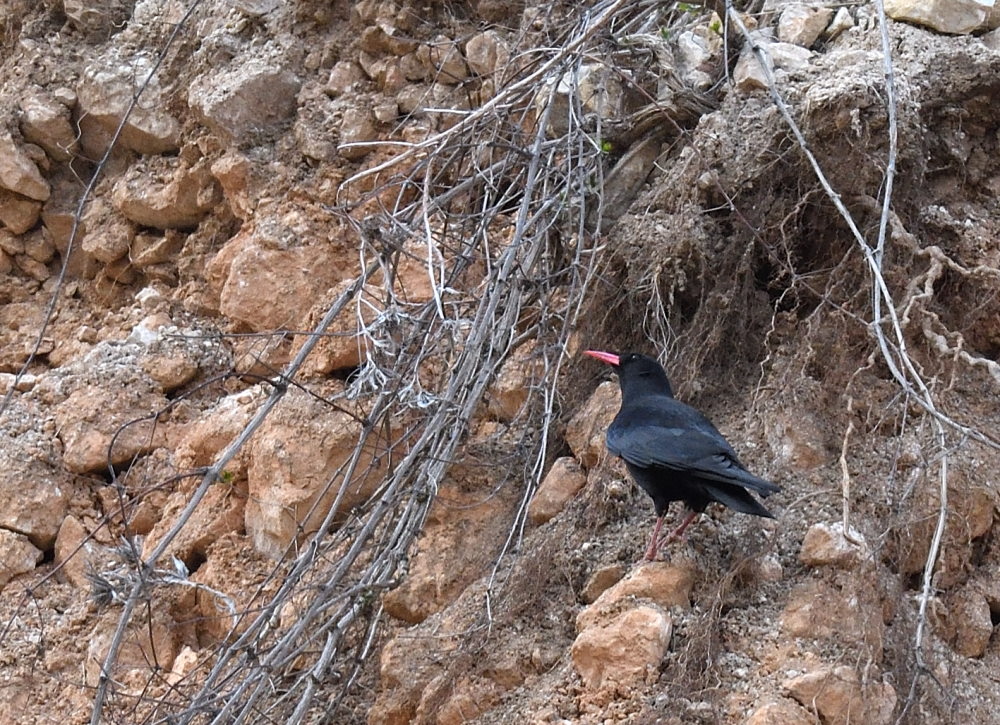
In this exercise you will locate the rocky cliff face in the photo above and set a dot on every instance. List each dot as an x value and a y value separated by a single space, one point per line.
295 426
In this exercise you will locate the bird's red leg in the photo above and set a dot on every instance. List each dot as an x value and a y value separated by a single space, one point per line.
651 549
676 533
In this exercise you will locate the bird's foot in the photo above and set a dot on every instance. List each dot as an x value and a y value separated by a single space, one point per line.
652 551
669 538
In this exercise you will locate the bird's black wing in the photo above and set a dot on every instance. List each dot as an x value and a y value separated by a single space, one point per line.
662 432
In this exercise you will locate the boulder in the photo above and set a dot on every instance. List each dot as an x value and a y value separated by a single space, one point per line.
585 430
265 282
167 194
803 24
661 583
18 213
296 470
17 555
621 651
781 712
957 17
838 695
105 94
18 173
827 545
563 481
251 97
47 123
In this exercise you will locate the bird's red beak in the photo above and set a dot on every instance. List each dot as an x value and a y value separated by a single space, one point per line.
608 357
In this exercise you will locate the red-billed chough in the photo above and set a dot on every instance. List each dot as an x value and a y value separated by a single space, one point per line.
674 452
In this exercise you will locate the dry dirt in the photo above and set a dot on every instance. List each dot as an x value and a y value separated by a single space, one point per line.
220 228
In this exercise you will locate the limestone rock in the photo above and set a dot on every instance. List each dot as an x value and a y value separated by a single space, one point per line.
803 24
797 439
387 73
168 194
509 392
76 553
46 122
18 173
487 53
846 610
559 486
991 39
17 555
149 249
622 650
827 545
443 61
234 173
386 112
38 247
170 371
839 697
344 77
698 52
841 21
97 20
749 75
220 512
105 94
18 213
266 283
664 584
343 347
585 431
967 622
406 667
781 712
447 557
767 568
253 97
22 384
38 271
184 663
946 16
107 235
256 8
33 486
412 69
972 508
99 394
469 698
595 87
357 126
232 567
57 219
384 38
147 646
89 419
600 581
216 428
293 471
10 244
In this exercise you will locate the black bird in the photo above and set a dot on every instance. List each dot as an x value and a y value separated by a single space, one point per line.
674 452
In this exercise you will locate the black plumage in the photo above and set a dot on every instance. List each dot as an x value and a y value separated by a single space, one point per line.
673 452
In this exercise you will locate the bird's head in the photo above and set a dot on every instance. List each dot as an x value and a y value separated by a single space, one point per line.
638 374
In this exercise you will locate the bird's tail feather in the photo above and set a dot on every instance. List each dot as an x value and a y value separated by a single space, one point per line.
740 477
738 499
